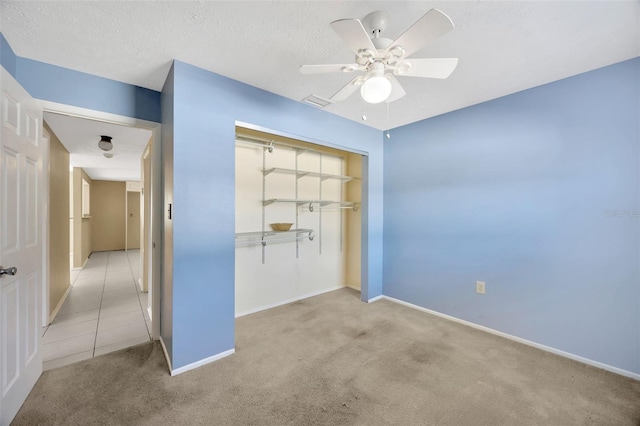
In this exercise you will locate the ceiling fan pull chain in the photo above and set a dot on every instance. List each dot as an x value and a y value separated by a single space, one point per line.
364 110
388 135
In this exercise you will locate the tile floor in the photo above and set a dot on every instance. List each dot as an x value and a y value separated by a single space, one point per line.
104 311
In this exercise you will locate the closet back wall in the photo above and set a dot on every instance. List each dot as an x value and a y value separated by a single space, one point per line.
292 269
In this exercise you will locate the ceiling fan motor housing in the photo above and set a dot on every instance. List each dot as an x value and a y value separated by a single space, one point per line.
375 23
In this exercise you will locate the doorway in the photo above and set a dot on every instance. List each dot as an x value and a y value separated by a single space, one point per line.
88 247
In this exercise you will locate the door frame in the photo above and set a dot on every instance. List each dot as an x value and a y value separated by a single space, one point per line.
45 138
156 217
145 207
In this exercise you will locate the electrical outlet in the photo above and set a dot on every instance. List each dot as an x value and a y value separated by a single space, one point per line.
480 287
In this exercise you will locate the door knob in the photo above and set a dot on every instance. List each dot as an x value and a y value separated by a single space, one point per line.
9 271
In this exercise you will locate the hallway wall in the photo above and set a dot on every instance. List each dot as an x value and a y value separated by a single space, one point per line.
108 208
133 220
59 245
81 226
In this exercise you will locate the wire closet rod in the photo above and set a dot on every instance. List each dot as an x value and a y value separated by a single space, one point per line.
269 144
354 208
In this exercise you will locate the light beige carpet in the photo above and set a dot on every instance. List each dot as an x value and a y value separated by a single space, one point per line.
334 360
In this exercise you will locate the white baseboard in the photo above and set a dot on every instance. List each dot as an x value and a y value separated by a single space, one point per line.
545 348
375 299
284 302
202 362
149 312
59 305
140 284
166 354
194 364
80 268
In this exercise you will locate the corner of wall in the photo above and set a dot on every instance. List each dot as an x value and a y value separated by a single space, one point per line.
7 57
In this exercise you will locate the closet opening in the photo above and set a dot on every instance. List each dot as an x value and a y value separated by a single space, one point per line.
298 220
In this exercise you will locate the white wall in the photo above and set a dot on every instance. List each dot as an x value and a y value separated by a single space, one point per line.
283 277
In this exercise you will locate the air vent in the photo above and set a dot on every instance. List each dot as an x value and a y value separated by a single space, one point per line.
317 101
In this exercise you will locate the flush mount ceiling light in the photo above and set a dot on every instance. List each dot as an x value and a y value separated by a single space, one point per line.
105 143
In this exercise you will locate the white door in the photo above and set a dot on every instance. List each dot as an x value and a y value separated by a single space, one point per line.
22 196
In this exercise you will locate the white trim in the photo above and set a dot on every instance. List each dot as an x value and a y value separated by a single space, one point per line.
545 348
166 354
46 231
375 299
202 362
284 302
140 285
298 137
59 305
74 111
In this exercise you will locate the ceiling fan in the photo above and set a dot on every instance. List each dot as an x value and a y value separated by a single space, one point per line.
382 59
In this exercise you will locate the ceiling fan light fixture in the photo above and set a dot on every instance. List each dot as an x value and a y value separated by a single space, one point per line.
376 89
383 59
105 143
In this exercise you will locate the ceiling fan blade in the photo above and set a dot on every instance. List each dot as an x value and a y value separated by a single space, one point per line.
353 34
428 67
322 69
347 90
396 89
428 28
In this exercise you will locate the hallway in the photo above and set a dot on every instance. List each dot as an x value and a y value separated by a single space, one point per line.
104 312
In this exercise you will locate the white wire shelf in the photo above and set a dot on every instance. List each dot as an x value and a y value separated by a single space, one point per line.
263 237
321 203
301 173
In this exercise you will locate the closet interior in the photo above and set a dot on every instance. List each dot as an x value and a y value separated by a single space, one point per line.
316 190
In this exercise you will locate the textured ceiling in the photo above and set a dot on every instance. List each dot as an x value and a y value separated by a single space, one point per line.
504 47
80 137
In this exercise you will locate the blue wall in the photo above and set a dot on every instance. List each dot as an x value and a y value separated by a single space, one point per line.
206 107
7 57
76 88
538 195
62 85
